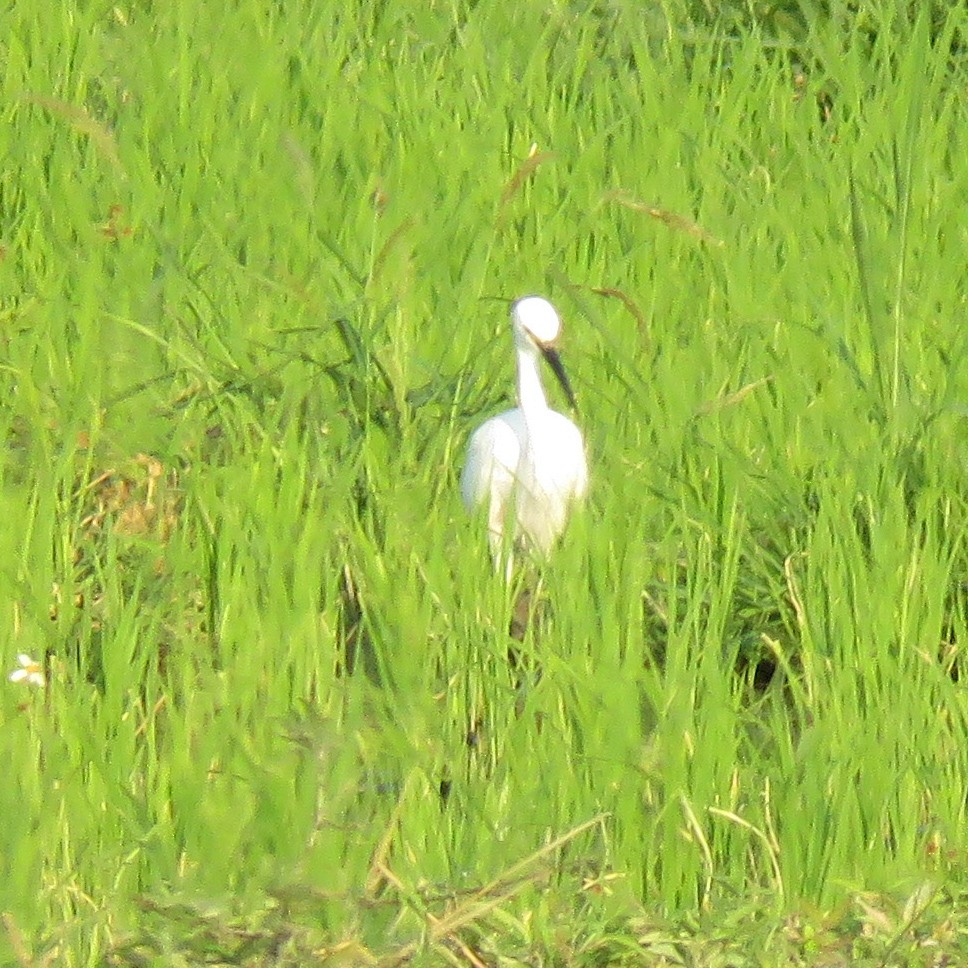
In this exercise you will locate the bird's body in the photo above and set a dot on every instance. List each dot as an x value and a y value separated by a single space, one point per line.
527 464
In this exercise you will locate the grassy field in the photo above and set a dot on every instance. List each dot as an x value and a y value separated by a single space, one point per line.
247 255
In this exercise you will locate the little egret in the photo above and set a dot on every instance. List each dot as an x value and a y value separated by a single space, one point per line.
528 462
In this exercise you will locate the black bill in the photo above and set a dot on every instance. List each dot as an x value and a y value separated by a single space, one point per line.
554 361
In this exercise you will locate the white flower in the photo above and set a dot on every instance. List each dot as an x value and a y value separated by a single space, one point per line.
30 671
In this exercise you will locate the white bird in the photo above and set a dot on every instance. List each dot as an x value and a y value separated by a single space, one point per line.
529 462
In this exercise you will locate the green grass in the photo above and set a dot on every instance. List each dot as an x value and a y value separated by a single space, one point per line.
245 255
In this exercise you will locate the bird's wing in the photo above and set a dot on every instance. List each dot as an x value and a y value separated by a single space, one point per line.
492 460
570 464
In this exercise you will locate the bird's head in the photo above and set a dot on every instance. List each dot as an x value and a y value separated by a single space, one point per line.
536 325
535 317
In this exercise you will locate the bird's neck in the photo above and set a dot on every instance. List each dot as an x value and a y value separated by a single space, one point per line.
531 395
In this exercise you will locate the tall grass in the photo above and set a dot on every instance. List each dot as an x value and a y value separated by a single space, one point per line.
246 255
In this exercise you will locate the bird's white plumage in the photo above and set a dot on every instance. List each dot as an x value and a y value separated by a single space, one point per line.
528 464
